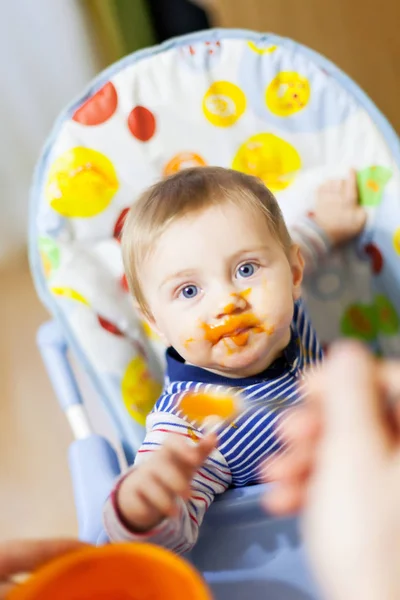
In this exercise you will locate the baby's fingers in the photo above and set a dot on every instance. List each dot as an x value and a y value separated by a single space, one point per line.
332 186
189 457
351 189
155 496
205 446
360 218
175 479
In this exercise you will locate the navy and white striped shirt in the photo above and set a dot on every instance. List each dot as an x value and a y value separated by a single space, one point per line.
242 445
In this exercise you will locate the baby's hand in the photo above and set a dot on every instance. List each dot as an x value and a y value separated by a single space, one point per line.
337 210
150 492
290 472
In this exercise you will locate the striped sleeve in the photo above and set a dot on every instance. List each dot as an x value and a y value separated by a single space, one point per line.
313 242
179 533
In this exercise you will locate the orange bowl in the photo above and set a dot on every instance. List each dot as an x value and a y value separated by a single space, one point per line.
115 572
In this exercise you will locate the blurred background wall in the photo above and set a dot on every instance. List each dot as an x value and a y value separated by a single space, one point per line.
47 56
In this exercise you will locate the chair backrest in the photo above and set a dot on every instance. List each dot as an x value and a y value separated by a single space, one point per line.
257 103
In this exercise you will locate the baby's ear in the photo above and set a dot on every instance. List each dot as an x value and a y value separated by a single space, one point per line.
297 267
150 323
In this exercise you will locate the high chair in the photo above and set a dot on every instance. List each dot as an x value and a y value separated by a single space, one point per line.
253 102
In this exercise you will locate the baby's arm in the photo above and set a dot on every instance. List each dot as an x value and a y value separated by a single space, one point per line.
164 497
336 219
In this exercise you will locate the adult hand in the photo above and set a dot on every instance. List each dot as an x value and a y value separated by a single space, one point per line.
24 556
347 476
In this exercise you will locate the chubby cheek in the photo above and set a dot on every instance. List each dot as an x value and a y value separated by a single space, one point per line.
187 338
283 314
272 306
194 348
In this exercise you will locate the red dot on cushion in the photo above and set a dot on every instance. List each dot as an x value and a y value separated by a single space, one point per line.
99 108
142 123
375 256
124 283
108 326
119 224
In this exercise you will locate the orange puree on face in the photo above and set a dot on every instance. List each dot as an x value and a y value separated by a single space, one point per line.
231 307
241 339
197 406
236 327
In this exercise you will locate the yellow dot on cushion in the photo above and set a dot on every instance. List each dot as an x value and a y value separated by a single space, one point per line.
70 293
270 158
47 267
396 240
262 49
224 103
150 333
287 94
139 390
81 183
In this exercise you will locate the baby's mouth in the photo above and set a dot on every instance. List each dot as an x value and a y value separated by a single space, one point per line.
235 332
236 328
240 336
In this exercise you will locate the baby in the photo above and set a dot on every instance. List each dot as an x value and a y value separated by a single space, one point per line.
215 272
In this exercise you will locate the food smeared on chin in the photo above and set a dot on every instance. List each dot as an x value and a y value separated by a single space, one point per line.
200 406
188 342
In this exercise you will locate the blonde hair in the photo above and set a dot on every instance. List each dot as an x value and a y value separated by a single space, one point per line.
189 191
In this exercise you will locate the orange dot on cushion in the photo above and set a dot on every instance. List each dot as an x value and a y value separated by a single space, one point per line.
183 160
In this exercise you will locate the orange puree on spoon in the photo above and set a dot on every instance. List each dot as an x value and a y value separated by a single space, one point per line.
199 406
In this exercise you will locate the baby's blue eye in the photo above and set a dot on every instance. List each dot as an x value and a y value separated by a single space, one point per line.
190 291
246 270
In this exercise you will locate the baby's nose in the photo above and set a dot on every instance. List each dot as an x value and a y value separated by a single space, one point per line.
236 304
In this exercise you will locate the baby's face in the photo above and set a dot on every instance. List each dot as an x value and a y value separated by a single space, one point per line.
220 289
